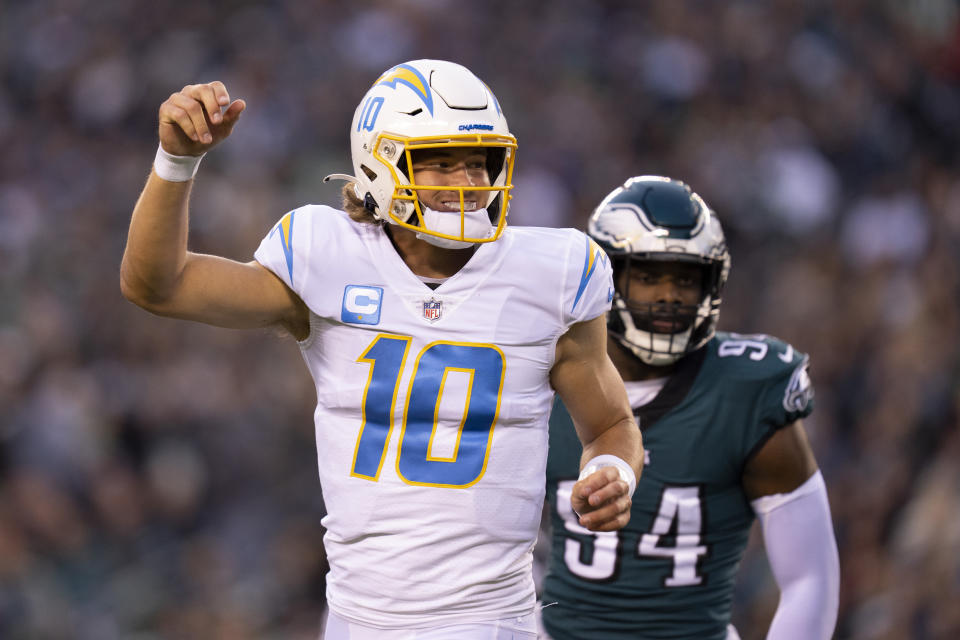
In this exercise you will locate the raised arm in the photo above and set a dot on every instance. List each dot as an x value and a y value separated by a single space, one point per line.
158 273
593 393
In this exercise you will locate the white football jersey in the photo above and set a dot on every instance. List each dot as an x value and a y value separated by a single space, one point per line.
432 410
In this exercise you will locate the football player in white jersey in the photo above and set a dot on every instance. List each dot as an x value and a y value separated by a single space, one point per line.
436 337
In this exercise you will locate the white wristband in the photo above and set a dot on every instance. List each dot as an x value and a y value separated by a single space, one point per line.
175 168
607 460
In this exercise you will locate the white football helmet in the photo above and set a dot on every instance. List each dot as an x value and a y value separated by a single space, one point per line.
428 104
651 218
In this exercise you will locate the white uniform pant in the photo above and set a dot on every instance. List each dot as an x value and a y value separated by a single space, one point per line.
522 628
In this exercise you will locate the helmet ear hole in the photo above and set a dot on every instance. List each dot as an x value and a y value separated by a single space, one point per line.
370 173
369 203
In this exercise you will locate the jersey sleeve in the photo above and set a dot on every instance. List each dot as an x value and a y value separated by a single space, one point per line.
765 387
788 392
286 248
588 285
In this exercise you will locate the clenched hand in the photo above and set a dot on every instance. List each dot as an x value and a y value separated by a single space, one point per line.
191 121
602 500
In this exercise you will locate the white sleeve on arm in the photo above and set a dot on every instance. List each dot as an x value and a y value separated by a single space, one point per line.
798 536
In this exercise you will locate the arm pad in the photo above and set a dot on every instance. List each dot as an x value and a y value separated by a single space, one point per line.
798 536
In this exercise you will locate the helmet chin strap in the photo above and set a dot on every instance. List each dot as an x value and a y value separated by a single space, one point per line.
476 224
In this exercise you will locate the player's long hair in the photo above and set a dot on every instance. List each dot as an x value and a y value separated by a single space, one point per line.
354 206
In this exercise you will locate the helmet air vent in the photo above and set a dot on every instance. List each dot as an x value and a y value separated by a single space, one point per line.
458 91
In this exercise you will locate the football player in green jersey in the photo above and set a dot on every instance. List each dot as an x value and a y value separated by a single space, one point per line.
721 416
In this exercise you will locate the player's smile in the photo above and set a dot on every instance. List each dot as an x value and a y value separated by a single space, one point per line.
456 168
453 205
449 200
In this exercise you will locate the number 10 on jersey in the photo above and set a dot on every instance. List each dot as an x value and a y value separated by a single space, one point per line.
387 355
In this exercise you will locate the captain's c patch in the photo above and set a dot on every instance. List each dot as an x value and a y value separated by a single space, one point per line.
361 304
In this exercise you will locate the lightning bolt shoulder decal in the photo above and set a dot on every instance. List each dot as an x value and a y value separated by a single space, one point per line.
285 229
594 256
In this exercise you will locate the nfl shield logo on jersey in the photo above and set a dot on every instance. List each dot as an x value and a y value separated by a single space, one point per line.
432 309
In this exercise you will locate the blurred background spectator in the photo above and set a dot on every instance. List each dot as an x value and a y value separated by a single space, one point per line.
157 476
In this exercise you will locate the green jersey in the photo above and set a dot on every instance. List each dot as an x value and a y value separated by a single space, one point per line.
670 573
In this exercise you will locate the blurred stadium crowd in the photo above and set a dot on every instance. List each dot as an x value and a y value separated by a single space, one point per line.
157 478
